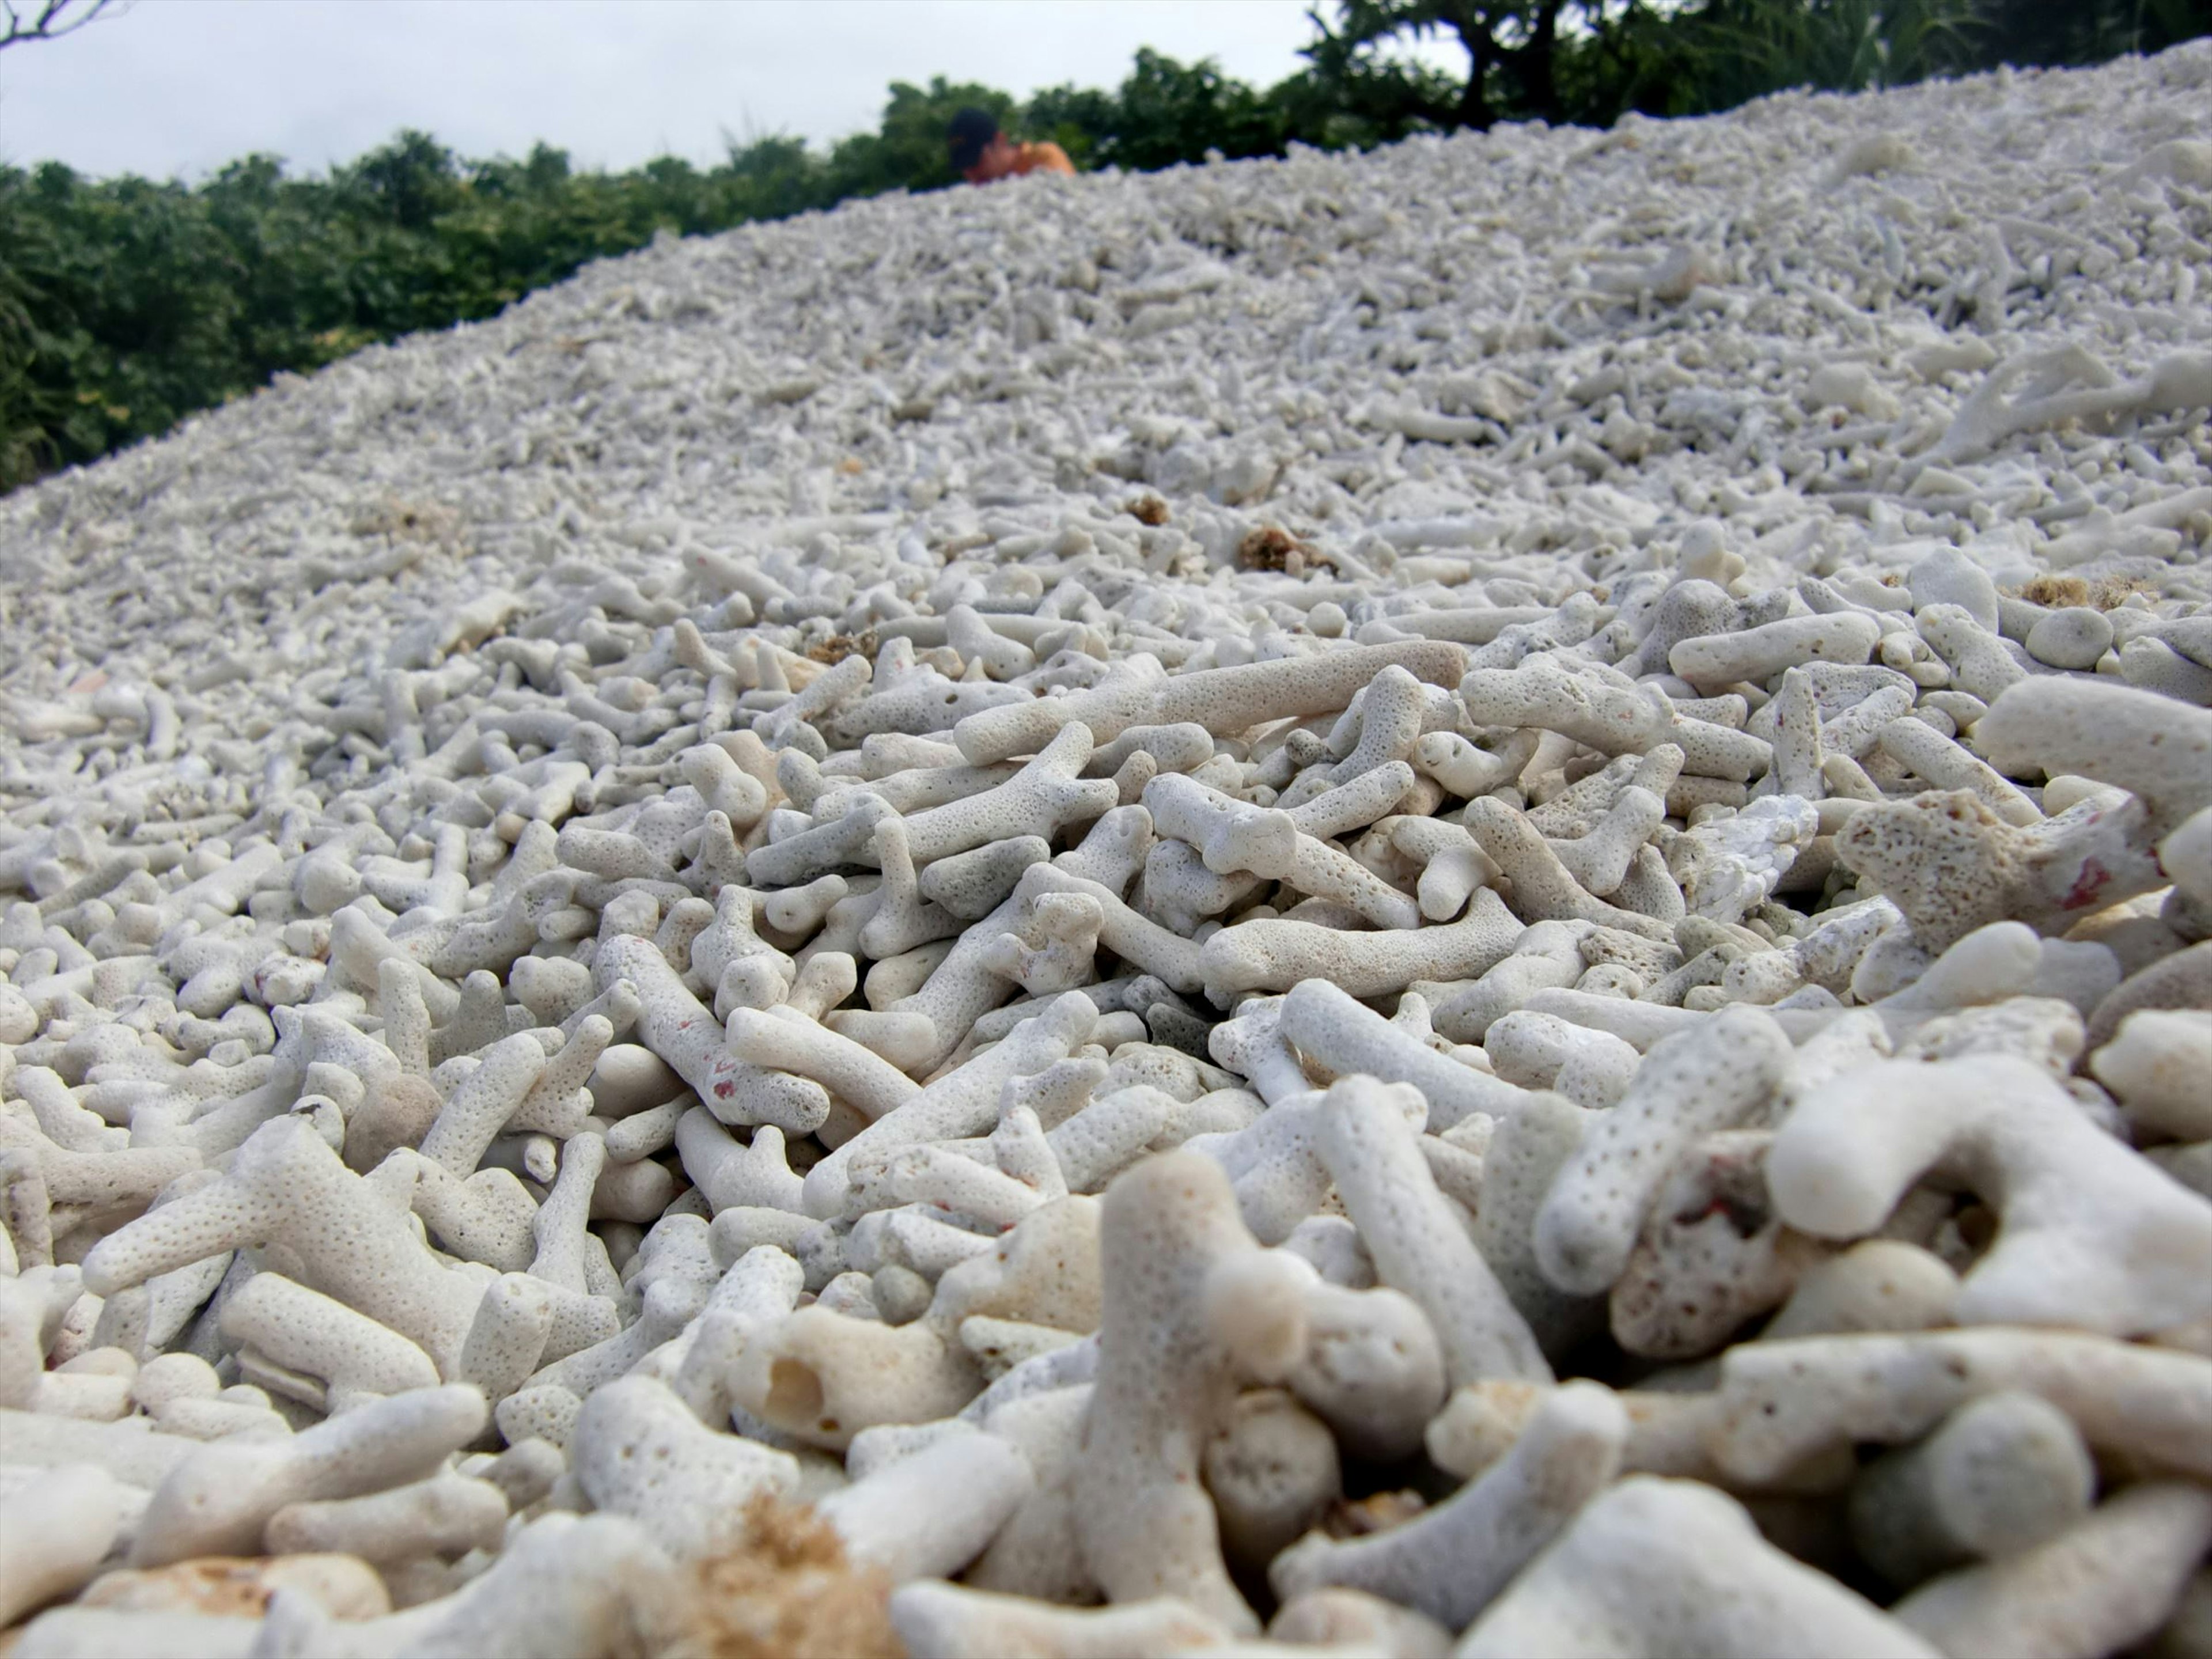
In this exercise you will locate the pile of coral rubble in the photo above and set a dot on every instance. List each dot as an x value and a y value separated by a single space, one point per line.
1456 900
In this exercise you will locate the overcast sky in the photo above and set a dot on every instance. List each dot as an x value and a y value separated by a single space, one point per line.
180 87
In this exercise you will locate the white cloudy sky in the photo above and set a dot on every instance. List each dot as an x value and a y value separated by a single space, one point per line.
179 86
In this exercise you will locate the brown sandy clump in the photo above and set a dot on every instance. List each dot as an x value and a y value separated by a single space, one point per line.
838 647
2062 591
1362 1517
2113 591
2056 592
785 1590
1270 548
1149 510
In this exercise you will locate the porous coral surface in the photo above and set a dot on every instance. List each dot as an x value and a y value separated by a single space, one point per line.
1449 899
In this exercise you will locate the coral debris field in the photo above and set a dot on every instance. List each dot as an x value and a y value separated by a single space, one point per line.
1449 901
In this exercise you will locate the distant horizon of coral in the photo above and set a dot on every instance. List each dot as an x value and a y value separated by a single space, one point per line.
127 304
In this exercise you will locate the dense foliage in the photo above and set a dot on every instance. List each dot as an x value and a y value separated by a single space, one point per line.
126 304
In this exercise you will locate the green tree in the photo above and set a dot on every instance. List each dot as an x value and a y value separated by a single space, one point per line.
1164 112
408 182
1513 49
1737 50
768 177
2045 33
1170 111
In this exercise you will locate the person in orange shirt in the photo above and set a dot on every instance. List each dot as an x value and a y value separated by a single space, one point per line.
982 153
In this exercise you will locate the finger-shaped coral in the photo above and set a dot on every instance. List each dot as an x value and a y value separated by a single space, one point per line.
1667 1434
2156 1065
1543 888
1174 960
1231 836
1782 1402
1052 946
664 1308
1716 1076
81 1510
1040 799
286 1186
1919 746
445 1516
218 1500
1758 654
1275 955
1462 769
2155 748
1546 956
594 1586
1445 863
1451 1561
119 1179
1108 1135
759 1288
1418 1246
975 1192
928 1515
1527 1151
1534 1051
1223 700
1373 1370
1192 1307
2003 1473
2102 1585
1043 1270
902 919
1339 1034
1181 894
1359 801
1880 1285
972 885
731 938
1610 719
1272 1471
295 1339
1181 747
1665 1566
1599 861
1712 1253
686 1034
640 1452
964 1101
797 1044
507 1337
823 1376
1036 1552
2183 980
939 1620
479 1108
2091 1235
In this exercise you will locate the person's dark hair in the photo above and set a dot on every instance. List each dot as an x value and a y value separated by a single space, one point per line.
971 131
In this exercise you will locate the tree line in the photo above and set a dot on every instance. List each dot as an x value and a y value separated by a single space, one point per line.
126 303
